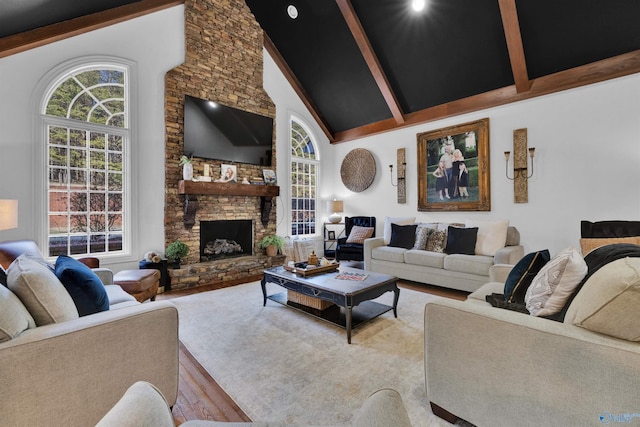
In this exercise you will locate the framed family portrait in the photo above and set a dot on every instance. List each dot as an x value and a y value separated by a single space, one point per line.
453 168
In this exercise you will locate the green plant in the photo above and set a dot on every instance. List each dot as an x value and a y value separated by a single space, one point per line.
184 160
274 240
177 250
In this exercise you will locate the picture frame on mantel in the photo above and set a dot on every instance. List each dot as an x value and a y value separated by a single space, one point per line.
453 168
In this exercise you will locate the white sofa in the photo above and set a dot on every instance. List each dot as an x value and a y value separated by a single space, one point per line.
455 271
73 371
496 367
144 406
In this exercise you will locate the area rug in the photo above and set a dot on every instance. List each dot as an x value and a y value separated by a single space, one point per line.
281 365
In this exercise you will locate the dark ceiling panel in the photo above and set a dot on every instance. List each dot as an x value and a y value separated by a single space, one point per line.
319 49
17 16
559 35
451 50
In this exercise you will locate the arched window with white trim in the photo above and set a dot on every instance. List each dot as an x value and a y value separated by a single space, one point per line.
304 179
85 119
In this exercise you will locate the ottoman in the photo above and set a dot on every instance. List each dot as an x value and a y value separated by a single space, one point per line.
141 284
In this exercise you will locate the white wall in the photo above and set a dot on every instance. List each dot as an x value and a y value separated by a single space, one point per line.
587 161
155 43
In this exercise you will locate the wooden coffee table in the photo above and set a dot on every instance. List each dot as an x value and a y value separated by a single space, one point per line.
352 297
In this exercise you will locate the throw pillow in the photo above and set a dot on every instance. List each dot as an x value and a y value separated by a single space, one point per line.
403 236
395 220
40 291
422 237
461 240
359 234
608 302
14 317
492 235
555 282
522 274
436 241
84 286
587 245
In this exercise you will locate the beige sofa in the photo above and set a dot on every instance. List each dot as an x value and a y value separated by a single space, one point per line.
495 367
72 372
144 406
455 271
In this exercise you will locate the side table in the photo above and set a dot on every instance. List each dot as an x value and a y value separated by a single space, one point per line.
162 266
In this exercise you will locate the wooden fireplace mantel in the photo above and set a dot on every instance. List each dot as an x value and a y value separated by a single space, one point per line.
191 189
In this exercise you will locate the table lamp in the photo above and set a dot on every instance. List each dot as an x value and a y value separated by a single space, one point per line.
335 206
8 214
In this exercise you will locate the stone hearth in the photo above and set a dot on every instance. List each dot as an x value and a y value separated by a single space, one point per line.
212 272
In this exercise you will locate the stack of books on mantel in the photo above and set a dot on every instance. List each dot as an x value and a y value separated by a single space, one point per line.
257 181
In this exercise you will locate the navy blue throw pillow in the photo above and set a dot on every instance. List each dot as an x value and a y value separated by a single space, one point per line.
84 286
522 274
403 236
461 240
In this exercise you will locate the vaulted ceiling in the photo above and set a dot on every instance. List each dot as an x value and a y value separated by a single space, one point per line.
368 66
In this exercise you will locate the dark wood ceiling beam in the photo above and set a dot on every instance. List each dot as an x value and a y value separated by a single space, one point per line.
514 44
295 84
52 33
618 66
362 40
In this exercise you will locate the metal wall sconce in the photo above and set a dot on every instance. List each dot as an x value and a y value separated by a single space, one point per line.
401 175
521 173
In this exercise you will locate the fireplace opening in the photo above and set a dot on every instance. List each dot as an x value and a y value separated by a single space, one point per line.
225 239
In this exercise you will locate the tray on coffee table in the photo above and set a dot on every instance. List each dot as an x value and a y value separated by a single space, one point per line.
304 272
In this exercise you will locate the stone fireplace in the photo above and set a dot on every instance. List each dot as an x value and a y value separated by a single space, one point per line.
223 63
225 239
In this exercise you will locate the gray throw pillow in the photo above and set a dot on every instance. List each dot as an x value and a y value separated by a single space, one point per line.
40 291
14 317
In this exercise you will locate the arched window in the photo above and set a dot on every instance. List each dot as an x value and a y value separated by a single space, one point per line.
85 115
304 179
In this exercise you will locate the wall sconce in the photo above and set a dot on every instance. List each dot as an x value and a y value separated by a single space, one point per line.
335 206
521 173
8 214
401 175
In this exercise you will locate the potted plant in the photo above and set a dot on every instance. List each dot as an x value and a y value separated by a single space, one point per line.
177 250
271 244
187 168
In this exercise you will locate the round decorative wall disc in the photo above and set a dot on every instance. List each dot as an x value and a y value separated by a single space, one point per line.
358 170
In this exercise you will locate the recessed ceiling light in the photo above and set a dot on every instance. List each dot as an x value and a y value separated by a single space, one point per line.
418 5
292 11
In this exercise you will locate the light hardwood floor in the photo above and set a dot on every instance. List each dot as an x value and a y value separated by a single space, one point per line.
201 398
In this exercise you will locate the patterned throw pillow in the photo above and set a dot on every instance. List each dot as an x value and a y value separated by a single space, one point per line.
555 282
422 237
523 274
437 241
359 234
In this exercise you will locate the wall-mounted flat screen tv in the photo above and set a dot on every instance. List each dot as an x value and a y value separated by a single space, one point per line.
215 131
